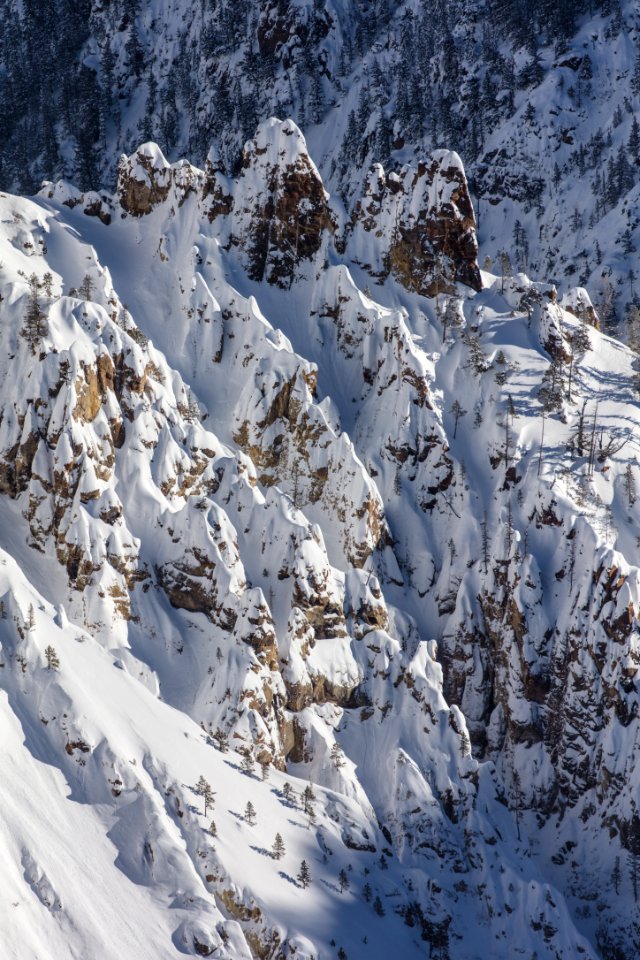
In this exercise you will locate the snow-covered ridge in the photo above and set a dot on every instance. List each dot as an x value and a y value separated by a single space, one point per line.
269 520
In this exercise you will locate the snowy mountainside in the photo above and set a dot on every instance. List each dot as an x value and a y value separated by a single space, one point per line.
298 496
539 99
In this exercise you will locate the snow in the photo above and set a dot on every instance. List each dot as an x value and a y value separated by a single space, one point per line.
346 591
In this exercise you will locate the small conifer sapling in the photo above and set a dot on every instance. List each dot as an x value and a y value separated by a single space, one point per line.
53 661
278 847
304 875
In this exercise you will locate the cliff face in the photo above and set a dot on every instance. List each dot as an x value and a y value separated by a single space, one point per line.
422 224
312 493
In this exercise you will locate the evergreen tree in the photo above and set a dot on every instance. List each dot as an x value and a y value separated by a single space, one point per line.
221 740
35 326
85 290
633 144
308 798
343 880
505 267
517 798
457 412
630 485
250 814
53 662
634 870
484 526
203 789
304 875
616 875
635 78
278 847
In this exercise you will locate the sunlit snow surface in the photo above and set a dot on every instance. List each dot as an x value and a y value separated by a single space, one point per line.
105 851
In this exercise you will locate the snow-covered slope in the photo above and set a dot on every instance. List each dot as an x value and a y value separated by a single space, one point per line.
295 498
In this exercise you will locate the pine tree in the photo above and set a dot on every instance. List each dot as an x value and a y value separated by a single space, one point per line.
250 814
635 78
633 144
484 524
304 875
85 290
221 739
477 359
630 485
53 662
278 847
343 880
307 799
457 411
517 798
31 617
203 788
213 830
634 859
377 907
264 769
367 892
616 875
34 327
626 239
288 793
505 267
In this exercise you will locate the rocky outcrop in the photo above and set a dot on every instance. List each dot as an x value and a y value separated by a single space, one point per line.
419 226
578 302
281 210
146 180
279 537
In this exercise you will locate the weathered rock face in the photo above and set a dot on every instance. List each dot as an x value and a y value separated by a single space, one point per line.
281 569
146 180
93 204
578 302
281 210
419 226
286 31
524 682
293 444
